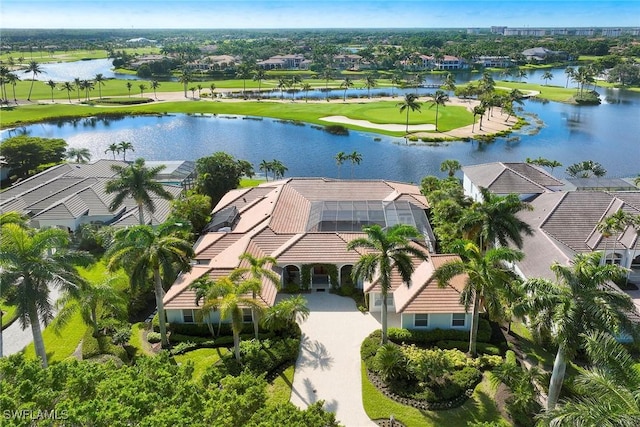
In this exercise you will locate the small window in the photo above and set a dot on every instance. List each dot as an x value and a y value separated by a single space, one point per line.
246 315
458 320
420 320
187 316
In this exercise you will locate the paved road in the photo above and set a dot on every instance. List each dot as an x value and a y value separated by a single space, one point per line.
328 367
14 338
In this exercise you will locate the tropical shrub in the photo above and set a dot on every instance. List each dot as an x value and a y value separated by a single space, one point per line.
153 337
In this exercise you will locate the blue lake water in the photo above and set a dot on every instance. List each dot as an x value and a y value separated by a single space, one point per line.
608 133
84 70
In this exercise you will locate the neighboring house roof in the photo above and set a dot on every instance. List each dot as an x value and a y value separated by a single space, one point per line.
274 220
609 184
66 192
506 178
565 223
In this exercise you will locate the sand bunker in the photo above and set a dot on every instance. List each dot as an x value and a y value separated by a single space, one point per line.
367 124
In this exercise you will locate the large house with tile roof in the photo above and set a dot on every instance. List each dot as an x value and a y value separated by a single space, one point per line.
564 223
306 224
71 194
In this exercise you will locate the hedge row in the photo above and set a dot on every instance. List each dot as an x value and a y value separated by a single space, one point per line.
92 346
432 336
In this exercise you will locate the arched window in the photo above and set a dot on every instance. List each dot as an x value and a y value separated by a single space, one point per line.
613 258
291 275
345 275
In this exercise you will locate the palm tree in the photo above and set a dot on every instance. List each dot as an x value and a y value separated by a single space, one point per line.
91 299
478 110
294 81
142 88
326 75
32 261
410 103
278 169
546 77
257 271
614 223
438 98
80 155
355 158
586 169
579 301
285 313
306 87
494 219
193 92
68 86
265 166
185 78
449 82
212 87
123 146
113 148
487 280
386 250
13 79
396 80
129 86
4 72
138 182
346 84
451 166
78 84
13 217
143 250
283 83
155 85
244 73
199 91
34 69
87 85
228 297
569 72
369 82
259 75
341 157
52 85
99 80
609 389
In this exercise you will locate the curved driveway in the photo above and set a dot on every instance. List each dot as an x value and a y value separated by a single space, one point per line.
328 367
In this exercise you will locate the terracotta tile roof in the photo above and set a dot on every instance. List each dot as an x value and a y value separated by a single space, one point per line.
180 296
269 241
318 247
396 279
291 213
506 178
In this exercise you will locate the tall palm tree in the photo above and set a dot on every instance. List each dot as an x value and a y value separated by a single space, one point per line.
396 80
138 182
259 75
34 69
99 81
278 169
265 166
130 85
569 72
579 301
123 146
586 169
13 217
438 98
488 280
257 271
13 80
155 85
283 83
387 249
113 148
68 86
78 85
52 85
410 103
91 300
295 79
142 250
32 261
341 157
87 85
355 158
478 110
212 87
306 87
4 72
609 388
614 223
244 72
199 91
449 82
285 313
546 76
80 155
142 88
228 297
326 75
185 78
346 84
494 219
369 82
451 166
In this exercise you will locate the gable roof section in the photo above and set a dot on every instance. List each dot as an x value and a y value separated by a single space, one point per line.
506 178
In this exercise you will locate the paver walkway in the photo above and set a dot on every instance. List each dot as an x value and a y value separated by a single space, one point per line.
328 367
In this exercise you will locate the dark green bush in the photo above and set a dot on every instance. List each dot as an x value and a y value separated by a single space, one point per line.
481 348
92 346
154 337
421 337
466 378
369 347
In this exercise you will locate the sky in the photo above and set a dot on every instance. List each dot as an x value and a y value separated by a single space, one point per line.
140 14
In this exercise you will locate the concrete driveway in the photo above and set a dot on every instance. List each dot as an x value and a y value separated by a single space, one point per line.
328 367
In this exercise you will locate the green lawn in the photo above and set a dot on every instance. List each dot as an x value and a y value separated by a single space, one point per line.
250 182
142 346
550 92
279 391
480 408
9 314
60 345
201 358
450 117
